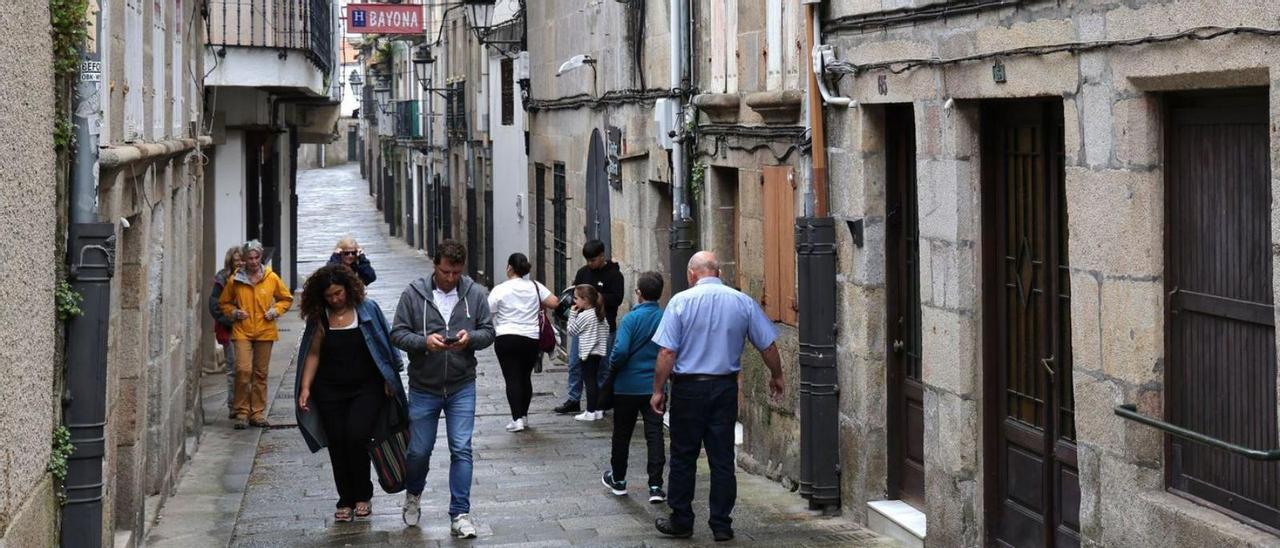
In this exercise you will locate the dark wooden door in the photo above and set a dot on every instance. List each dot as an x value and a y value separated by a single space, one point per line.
902 277
1030 406
1221 319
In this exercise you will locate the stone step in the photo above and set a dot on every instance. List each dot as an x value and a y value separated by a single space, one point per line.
897 520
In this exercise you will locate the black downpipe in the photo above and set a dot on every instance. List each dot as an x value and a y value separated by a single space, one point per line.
683 241
819 389
92 252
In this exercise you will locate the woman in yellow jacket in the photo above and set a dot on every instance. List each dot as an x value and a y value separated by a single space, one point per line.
254 297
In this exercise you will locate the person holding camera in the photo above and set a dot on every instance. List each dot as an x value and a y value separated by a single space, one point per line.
350 254
441 321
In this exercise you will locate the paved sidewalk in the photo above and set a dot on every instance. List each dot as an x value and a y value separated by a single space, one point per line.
540 487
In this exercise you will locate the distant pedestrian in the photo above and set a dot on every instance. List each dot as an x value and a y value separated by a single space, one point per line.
631 368
701 335
606 276
441 322
516 305
349 372
590 328
255 297
223 323
350 253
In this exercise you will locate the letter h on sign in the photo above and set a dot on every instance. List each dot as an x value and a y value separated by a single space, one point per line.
358 18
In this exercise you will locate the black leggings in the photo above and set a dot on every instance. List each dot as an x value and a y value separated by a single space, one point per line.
348 425
517 355
591 380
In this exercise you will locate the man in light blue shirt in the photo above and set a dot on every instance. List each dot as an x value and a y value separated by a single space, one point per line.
701 338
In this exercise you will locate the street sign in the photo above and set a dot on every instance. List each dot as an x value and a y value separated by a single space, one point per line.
384 18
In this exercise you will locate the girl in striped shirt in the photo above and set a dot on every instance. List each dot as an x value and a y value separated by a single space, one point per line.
587 322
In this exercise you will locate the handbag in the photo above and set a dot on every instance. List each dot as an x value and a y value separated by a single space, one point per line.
389 446
546 334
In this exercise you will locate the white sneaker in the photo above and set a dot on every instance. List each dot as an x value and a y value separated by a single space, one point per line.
586 416
599 415
515 425
462 527
411 511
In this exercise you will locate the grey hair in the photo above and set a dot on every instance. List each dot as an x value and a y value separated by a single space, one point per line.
704 261
252 245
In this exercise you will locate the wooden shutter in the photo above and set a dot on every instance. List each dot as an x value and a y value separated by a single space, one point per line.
779 247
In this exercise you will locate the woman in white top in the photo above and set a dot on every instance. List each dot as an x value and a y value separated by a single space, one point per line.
516 305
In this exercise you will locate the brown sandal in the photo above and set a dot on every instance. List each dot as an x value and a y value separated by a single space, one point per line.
364 509
342 515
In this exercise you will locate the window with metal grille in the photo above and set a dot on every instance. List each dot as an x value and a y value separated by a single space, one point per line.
560 202
508 94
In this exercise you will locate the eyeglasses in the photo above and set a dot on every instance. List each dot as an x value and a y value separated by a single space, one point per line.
350 253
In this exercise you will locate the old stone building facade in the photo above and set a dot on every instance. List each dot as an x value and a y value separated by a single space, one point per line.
1066 211
146 189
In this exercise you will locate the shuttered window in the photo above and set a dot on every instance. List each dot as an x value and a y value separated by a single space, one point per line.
508 94
779 244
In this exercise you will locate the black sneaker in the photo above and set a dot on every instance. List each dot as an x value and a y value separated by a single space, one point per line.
656 495
664 526
616 487
722 535
569 406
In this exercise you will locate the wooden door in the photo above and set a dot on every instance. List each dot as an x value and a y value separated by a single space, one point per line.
1032 478
902 277
1221 376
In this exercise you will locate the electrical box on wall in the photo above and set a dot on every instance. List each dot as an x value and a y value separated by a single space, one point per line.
666 114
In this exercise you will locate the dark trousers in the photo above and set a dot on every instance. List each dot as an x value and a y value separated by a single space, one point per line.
517 355
703 413
348 424
625 409
591 381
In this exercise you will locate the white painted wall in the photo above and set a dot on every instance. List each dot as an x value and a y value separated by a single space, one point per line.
228 193
263 67
510 174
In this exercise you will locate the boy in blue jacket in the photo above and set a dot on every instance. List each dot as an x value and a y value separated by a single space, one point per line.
632 364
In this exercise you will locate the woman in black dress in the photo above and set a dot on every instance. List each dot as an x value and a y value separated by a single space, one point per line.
350 371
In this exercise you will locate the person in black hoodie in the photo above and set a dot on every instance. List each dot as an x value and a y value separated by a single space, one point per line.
441 322
606 276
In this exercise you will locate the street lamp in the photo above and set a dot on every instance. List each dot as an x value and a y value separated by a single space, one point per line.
384 98
356 83
481 14
422 61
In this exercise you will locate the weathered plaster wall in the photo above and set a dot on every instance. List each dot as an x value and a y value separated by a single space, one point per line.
28 406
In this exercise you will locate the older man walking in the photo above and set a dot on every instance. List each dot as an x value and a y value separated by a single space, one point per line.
701 337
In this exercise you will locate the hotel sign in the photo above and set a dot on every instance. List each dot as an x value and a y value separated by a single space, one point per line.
384 18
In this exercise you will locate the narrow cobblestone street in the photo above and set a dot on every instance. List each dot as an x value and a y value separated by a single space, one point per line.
540 487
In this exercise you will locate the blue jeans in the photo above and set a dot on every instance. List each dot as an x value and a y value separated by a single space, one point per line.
460 420
574 389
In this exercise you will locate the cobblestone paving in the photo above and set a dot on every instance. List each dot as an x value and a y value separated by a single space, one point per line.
540 487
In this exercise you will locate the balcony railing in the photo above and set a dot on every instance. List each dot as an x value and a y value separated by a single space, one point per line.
408 120
305 25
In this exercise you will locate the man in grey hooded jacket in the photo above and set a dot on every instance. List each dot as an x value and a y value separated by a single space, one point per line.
440 323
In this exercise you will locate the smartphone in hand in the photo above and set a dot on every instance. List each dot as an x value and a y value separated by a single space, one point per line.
450 340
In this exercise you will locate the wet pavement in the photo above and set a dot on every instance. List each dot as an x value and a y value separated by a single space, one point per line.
540 487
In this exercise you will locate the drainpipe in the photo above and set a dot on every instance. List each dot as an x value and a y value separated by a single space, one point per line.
815 241
91 259
682 236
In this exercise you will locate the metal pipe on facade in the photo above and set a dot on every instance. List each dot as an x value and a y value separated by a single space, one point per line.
91 258
818 169
681 238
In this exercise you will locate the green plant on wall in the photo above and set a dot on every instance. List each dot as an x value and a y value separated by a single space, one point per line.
60 451
697 182
69 21
68 301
